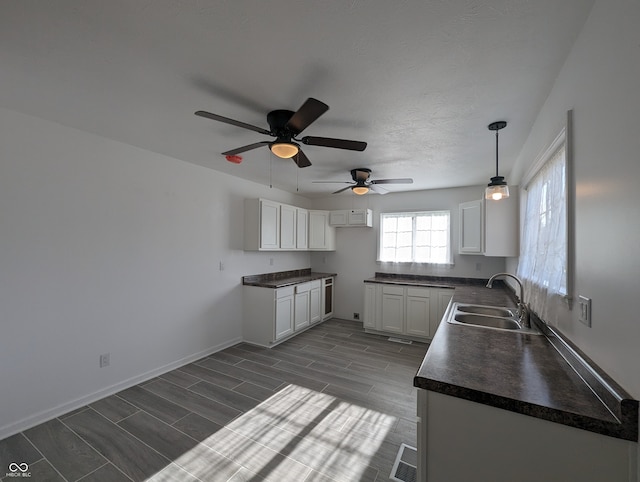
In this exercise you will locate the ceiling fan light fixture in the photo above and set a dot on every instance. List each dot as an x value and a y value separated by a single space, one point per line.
284 149
497 189
360 190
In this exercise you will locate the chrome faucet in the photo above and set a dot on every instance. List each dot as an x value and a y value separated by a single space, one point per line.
523 311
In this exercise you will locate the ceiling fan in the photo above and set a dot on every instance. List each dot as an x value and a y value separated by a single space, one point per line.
361 183
285 125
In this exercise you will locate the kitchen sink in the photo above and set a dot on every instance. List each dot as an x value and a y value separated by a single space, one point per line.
490 321
486 310
493 317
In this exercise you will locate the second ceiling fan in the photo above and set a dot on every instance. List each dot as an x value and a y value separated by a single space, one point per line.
285 125
361 183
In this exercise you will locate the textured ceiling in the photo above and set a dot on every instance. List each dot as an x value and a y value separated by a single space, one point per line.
418 80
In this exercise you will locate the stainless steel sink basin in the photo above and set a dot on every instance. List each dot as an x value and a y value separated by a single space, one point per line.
491 321
486 310
492 317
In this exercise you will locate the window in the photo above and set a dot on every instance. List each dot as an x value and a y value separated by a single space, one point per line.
544 251
417 237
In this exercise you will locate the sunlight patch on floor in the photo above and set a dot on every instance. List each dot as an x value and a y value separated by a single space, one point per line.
297 430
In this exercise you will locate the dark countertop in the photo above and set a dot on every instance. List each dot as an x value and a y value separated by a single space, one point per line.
281 279
520 372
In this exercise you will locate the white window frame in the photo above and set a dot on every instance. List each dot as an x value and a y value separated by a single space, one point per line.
542 302
414 215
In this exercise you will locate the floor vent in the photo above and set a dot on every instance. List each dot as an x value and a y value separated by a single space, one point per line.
400 340
404 469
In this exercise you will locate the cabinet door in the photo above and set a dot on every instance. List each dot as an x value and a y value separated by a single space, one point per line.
315 308
470 227
321 235
338 218
302 228
287 227
269 225
393 309
284 317
369 316
443 297
317 229
418 311
301 310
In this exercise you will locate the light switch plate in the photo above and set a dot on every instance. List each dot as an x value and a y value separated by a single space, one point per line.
584 305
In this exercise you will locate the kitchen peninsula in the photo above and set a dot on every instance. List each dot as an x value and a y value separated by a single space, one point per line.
496 399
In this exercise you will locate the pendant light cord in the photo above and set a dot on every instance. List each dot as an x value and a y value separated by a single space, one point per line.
496 153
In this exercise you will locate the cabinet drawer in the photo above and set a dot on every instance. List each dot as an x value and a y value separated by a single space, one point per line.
316 284
418 292
303 287
393 290
286 291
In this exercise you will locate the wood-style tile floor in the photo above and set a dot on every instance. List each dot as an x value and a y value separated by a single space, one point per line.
331 404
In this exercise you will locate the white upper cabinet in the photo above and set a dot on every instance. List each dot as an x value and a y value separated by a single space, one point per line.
302 228
261 225
287 227
338 218
470 227
351 217
490 227
322 236
274 226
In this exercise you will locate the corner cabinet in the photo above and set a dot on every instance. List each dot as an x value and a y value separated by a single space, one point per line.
490 228
414 312
322 236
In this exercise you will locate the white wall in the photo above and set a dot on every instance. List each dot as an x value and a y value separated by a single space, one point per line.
600 82
355 257
106 248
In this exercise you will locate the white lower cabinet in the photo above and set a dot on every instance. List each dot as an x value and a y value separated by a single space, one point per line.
315 302
273 315
393 302
443 298
371 299
504 446
301 306
418 312
283 313
404 310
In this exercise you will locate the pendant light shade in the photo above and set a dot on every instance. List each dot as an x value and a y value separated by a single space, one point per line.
497 189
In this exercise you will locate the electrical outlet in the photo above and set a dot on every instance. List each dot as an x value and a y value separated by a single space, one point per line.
221 266
356 316
584 305
105 360
270 261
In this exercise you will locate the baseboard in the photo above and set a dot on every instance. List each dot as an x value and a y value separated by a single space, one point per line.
46 415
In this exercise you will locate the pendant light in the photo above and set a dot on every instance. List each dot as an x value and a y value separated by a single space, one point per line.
497 189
